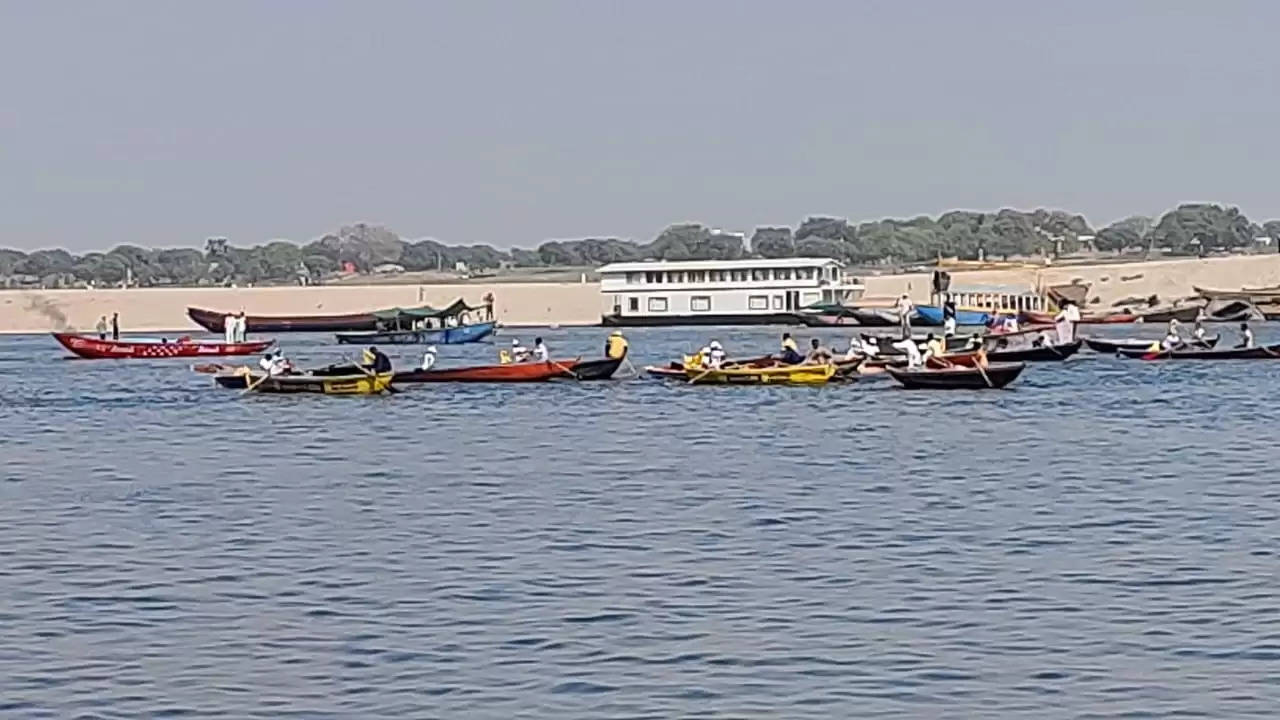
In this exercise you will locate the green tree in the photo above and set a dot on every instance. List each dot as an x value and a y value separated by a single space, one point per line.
773 242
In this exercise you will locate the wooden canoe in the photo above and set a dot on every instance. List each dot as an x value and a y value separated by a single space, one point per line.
312 384
1263 352
93 348
212 320
776 375
509 372
994 376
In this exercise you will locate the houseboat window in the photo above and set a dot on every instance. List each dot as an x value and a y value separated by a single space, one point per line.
810 298
633 278
777 302
633 304
782 273
657 304
739 275
698 276
648 277
758 302
804 274
759 274
700 303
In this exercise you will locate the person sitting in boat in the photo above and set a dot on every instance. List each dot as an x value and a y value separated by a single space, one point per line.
1199 334
948 317
790 351
936 346
912 351
715 354
519 353
268 364
1246 337
615 346
540 352
1172 339
381 363
280 365
818 355
855 349
429 358
871 347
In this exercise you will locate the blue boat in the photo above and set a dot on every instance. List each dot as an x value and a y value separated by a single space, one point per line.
423 326
932 315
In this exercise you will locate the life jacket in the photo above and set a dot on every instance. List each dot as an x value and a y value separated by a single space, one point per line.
616 346
504 357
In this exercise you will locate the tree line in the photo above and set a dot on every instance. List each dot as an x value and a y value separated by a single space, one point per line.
1189 229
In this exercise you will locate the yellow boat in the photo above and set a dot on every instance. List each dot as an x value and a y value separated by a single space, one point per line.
335 385
777 375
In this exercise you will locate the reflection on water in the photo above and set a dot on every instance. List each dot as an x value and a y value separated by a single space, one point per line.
1097 541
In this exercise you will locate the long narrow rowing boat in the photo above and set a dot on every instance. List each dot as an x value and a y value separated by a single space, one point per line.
1264 352
993 376
212 321
1109 347
775 375
315 384
93 348
510 372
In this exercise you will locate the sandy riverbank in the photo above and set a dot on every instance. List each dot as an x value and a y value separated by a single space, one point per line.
534 304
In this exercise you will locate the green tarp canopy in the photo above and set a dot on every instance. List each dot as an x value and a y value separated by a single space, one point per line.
457 307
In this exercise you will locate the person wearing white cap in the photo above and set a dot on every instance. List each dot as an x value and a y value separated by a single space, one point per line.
279 365
519 353
429 358
715 354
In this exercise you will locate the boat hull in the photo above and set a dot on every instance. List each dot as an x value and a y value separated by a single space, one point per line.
511 372
778 318
212 321
1043 318
442 336
777 375
591 370
1185 315
95 349
1044 353
1109 347
932 315
1271 352
994 376
308 384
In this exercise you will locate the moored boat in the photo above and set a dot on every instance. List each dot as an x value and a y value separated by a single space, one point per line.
212 320
932 315
1181 314
151 348
439 336
1113 318
363 384
1262 352
1043 353
1109 347
994 376
504 373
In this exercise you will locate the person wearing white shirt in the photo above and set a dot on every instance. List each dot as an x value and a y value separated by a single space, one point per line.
914 358
716 354
429 358
1065 322
229 328
268 363
904 309
540 352
519 353
1246 336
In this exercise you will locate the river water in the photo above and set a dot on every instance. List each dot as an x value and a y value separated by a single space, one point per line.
1098 541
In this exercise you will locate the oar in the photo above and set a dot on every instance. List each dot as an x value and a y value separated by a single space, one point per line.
566 370
254 385
705 373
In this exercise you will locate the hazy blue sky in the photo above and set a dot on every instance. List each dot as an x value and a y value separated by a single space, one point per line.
161 123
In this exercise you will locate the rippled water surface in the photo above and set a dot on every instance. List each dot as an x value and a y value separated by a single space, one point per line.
1098 541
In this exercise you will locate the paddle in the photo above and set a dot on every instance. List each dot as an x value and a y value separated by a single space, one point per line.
391 390
254 385
705 373
565 370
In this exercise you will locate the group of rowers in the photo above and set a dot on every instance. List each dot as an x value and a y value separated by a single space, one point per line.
1173 339
713 356
274 363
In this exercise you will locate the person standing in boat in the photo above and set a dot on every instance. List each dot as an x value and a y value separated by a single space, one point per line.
429 358
242 327
948 317
904 308
1246 337
229 328
1065 322
115 326
615 346
102 328
790 351
540 352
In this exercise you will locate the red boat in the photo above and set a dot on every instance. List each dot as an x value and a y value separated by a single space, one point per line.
1043 318
93 348
212 321
510 372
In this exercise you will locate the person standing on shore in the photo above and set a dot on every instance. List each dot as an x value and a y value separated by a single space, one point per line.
904 309
115 326
102 328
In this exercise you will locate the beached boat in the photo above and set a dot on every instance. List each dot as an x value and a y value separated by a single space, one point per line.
1109 347
509 372
601 369
439 336
994 376
1257 296
361 384
1264 352
1181 314
212 320
93 348
932 315
1046 318
774 375
836 315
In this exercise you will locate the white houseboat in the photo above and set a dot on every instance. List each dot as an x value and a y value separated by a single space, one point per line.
721 292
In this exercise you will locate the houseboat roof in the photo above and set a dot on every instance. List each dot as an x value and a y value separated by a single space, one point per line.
755 263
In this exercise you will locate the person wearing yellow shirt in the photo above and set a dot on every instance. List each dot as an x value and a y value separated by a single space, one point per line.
935 346
615 346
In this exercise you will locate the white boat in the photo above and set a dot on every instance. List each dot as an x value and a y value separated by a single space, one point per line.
721 292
